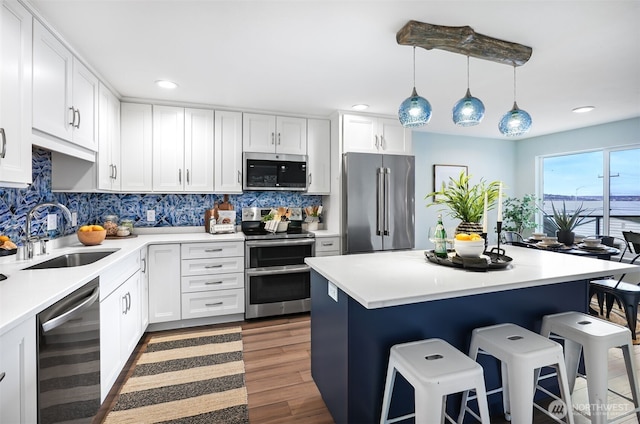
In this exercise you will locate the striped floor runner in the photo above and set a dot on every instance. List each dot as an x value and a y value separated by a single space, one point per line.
188 378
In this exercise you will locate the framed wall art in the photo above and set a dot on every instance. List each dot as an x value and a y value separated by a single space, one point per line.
443 173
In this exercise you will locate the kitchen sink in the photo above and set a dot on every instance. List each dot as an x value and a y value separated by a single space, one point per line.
72 259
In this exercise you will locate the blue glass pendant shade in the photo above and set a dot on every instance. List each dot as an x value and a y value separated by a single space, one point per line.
468 111
515 122
414 111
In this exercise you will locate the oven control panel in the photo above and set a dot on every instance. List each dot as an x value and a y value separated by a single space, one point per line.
256 214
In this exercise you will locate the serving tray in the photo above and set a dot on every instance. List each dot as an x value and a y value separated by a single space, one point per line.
7 252
496 261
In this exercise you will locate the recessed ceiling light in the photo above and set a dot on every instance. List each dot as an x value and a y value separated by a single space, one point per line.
166 84
360 107
583 109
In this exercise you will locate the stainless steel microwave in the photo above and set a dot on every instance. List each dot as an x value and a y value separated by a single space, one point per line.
269 171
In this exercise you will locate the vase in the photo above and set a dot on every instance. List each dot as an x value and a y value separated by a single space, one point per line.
565 237
469 227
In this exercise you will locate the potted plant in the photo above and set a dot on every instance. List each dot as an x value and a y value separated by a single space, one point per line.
465 201
518 214
564 222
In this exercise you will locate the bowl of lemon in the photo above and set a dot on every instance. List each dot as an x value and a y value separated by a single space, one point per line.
468 245
91 235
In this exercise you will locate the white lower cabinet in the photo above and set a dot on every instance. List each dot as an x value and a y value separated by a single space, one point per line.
18 374
327 246
212 280
120 319
164 282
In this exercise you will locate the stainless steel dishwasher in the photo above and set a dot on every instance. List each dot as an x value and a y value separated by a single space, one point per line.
69 357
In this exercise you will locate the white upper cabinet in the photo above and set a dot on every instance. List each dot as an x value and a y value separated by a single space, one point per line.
182 149
228 152
65 92
361 133
198 150
319 150
15 94
274 134
136 151
109 170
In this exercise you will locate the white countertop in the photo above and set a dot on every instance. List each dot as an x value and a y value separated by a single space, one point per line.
27 292
382 279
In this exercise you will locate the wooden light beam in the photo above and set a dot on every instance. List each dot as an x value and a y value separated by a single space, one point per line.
463 40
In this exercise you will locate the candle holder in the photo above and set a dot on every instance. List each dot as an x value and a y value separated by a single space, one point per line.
486 242
498 250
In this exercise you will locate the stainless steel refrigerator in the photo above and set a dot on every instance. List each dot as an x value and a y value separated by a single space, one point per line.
378 202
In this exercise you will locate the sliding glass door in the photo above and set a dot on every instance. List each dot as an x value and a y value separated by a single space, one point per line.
605 182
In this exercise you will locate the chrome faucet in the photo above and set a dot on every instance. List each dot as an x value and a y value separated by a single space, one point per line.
30 239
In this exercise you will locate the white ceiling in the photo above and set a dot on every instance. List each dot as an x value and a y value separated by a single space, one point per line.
314 57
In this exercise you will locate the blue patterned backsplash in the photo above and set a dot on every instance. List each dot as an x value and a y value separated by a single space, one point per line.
172 210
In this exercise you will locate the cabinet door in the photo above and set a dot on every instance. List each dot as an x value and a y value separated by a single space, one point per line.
108 158
359 134
291 135
258 133
168 149
164 282
52 84
393 138
228 152
198 150
144 291
18 375
319 151
15 93
110 310
130 315
136 158
85 102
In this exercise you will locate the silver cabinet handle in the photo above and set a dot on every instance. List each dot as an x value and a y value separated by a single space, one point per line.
78 124
124 305
73 117
239 177
327 243
310 178
143 268
382 142
2 374
110 170
209 283
212 266
273 137
214 304
179 176
213 250
376 141
188 176
115 174
278 139
4 144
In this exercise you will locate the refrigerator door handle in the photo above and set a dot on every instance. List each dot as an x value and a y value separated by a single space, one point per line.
379 201
387 177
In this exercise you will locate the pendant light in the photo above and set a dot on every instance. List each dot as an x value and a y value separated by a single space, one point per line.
517 121
469 110
415 111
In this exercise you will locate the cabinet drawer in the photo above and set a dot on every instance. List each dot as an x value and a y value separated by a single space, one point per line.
212 250
212 303
327 253
118 273
198 283
212 266
324 244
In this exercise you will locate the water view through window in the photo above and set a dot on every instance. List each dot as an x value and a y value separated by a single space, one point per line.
606 183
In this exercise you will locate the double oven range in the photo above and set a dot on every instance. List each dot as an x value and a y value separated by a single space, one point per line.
277 281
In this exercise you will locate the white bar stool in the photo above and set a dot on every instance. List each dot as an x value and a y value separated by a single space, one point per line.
594 337
435 369
522 353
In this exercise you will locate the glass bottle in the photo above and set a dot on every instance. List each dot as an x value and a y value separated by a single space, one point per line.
440 239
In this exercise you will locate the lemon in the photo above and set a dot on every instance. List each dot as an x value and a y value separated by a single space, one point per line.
97 228
84 228
4 238
463 236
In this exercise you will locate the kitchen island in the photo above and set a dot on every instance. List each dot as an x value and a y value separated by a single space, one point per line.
361 305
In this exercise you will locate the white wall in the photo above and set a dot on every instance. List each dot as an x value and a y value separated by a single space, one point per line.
613 134
489 159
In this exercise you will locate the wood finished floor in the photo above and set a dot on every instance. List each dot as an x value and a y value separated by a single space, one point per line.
280 389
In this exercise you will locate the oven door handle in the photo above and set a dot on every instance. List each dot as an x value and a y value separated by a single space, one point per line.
287 269
287 242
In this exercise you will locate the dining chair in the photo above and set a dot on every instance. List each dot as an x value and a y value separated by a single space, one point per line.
511 237
626 294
